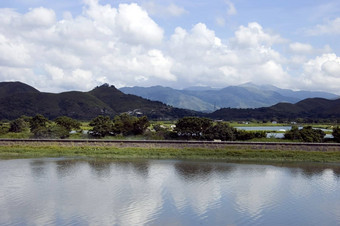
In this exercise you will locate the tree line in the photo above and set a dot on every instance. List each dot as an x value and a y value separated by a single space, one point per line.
187 128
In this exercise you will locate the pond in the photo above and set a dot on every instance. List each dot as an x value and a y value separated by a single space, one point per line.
159 192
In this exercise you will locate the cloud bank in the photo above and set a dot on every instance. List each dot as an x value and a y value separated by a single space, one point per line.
124 46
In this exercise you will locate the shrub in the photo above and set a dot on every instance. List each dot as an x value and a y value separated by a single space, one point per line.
18 125
336 134
306 134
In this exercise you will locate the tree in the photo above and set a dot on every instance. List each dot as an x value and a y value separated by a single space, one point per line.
38 121
18 125
336 134
193 127
248 135
58 131
38 126
130 125
221 131
124 124
140 125
102 126
293 134
67 122
306 134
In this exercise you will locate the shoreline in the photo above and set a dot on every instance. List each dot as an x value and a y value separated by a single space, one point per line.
181 150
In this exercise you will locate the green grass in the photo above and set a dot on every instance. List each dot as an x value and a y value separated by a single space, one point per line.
230 153
22 135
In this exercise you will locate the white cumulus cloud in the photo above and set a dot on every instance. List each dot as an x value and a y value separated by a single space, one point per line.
254 35
331 27
322 73
124 46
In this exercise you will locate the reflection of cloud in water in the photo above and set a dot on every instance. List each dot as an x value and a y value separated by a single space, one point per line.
249 191
140 192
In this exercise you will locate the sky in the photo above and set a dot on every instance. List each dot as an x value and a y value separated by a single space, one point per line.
65 45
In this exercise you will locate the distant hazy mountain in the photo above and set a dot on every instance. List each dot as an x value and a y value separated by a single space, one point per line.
311 108
208 99
295 94
18 99
173 97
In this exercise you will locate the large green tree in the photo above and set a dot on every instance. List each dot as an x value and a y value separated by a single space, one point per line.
19 125
126 124
38 126
102 126
67 122
306 134
221 131
193 127
38 121
336 134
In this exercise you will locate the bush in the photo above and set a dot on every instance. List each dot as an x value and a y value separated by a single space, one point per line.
41 132
306 134
67 122
130 125
58 132
221 131
38 122
19 125
336 134
102 126
193 127
248 135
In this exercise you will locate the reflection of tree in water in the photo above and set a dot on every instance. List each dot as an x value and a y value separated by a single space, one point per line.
66 167
140 167
193 171
225 168
101 168
336 171
38 168
311 170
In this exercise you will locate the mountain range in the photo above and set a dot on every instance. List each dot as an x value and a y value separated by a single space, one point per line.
18 99
207 99
311 109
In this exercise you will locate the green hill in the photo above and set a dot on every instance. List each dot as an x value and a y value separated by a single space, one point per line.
20 99
310 109
10 88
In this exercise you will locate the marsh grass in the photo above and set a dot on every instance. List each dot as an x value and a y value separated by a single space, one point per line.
230 153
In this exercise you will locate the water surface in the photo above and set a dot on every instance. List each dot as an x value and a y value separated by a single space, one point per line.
83 192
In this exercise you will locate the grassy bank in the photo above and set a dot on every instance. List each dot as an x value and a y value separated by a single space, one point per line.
228 153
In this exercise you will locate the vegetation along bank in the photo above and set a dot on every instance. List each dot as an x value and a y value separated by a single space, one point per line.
187 138
196 150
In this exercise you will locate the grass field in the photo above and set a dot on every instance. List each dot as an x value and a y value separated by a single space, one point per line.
109 152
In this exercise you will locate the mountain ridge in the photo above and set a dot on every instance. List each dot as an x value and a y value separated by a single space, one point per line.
108 100
20 99
208 99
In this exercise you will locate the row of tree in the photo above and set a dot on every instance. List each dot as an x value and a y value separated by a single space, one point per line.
41 127
206 129
61 127
125 125
306 134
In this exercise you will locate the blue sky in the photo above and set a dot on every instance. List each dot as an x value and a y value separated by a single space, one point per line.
66 45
